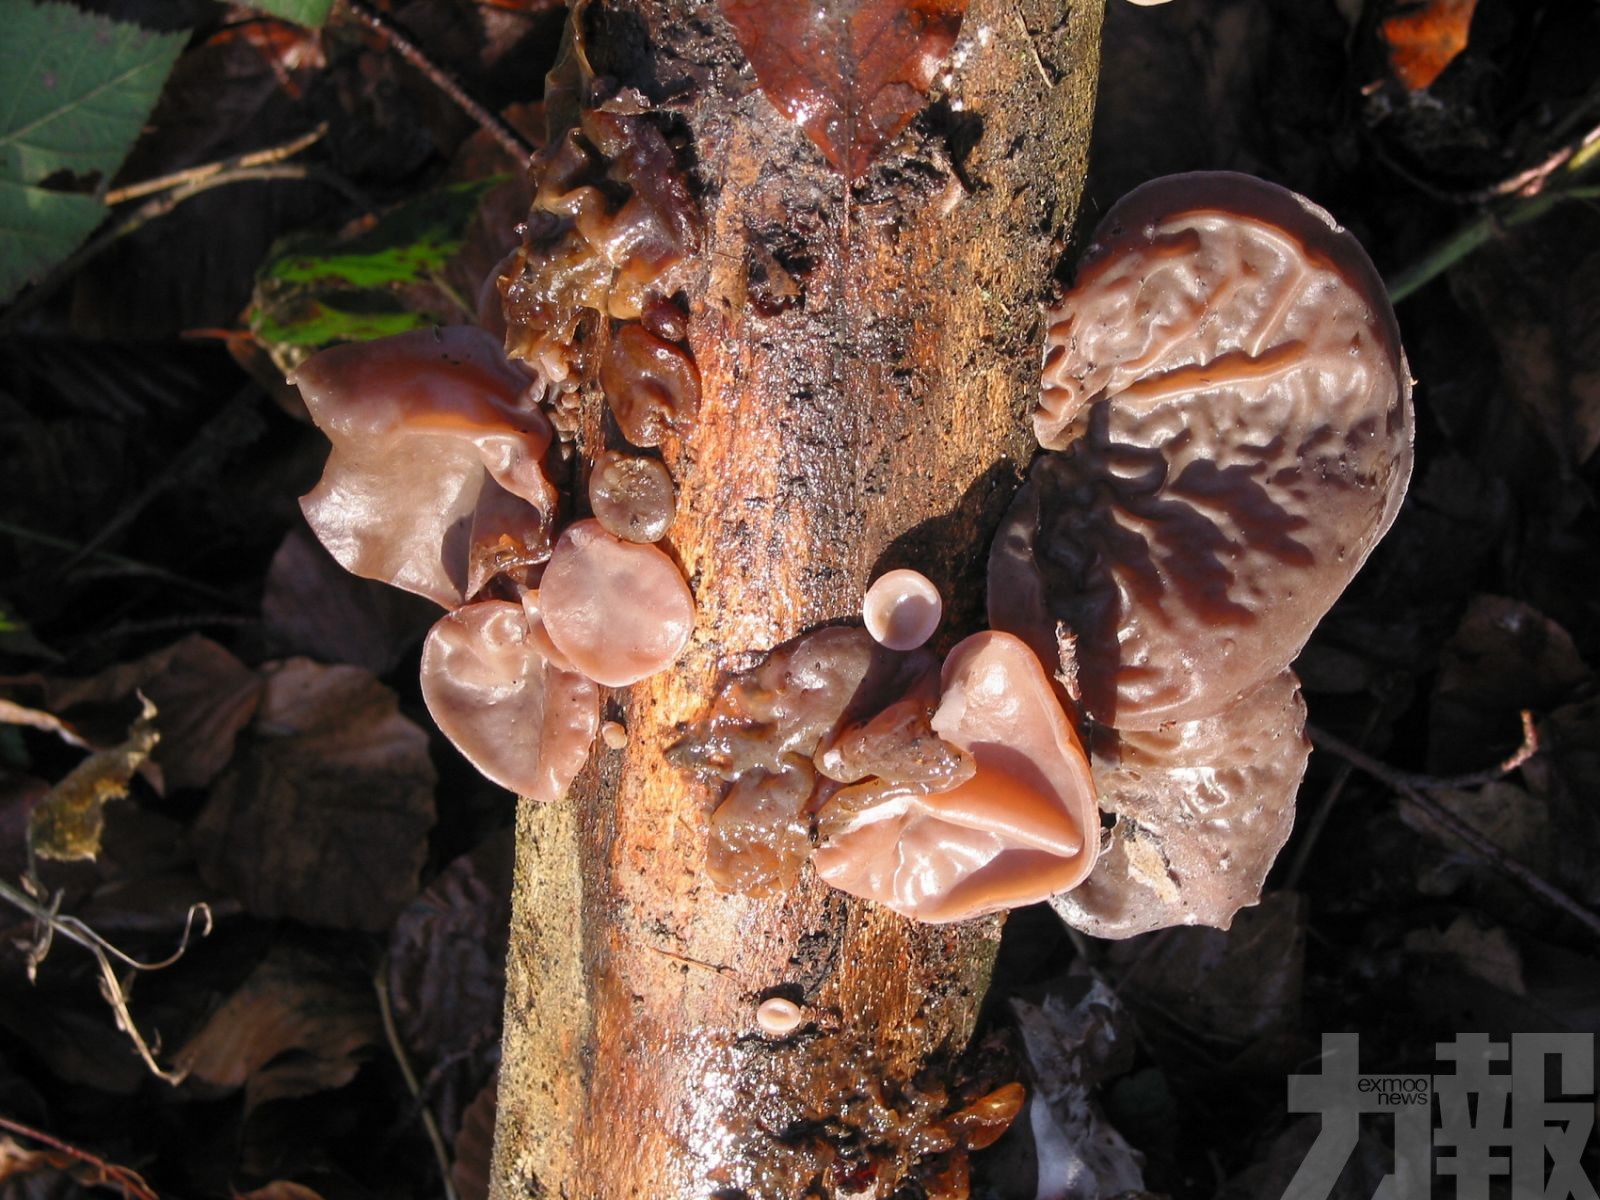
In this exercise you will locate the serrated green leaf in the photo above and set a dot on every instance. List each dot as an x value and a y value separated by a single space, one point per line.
311 13
38 229
409 243
75 88
315 290
315 323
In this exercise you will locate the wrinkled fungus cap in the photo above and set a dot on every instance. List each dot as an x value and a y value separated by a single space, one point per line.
500 692
1022 828
436 479
618 610
1225 385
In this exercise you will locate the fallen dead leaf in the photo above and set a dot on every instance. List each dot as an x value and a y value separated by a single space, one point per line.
66 825
313 606
1426 38
474 1146
851 73
300 1023
1071 1046
1484 951
447 974
324 814
204 694
1504 657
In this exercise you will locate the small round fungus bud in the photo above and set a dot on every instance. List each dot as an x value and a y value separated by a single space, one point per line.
778 1017
614 735
902 609
632 496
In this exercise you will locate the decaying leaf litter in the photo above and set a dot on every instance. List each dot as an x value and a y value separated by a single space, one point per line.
299 792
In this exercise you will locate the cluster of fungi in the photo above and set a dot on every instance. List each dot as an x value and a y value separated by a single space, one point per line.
1225 434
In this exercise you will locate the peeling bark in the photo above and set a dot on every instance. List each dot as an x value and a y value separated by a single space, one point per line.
868 355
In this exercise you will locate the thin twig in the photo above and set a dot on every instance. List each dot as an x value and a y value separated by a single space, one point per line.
190 175
160 206
1406 785
512 142
127 566
130 1182
1324 810
50 922
380 983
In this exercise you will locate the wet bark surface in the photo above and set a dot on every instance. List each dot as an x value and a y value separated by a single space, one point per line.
869 352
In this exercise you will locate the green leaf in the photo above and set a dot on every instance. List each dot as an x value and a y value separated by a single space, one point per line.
75 90
317 323
311 13
409 243
313 291
38 229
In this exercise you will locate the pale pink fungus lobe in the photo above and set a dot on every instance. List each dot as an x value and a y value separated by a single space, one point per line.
618 610
1226 385
1020 829
902 609
778 1017
500 692
436 481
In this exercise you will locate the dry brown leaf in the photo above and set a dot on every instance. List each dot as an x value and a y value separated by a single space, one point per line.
313 606
280 1189
65 826
851 73
324 814
474 1146
1504 657
205 696
447 974
1425 39
1484 951
299 1024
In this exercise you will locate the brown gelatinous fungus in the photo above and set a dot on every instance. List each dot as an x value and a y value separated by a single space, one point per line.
828 708
612 227
1226 385
499 690
1226 412
436 480
651 385
902 609
632 496
619 611
1202 809
1022 828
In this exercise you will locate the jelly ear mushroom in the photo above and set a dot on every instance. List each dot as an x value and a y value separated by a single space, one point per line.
1201 810
501 692
618 610
1226 387
436 479
1020 829
902 609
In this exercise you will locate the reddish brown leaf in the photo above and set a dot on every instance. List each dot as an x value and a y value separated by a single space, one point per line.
299 1024
447 974
851 73
324 815
474 1146
1425 39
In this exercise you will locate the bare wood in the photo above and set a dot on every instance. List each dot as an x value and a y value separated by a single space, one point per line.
878 422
